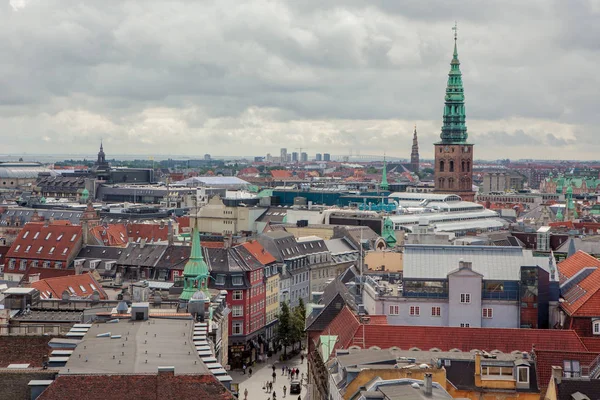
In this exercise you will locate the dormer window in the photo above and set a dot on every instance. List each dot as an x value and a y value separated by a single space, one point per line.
17 248
596 327
73 237
59 237
48 235
65 250
36 235
237 280
52 250
25 234
27 249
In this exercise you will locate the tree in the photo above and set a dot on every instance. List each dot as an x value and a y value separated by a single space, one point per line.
299 322
285 327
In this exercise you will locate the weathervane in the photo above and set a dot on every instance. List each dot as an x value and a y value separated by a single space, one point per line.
455 29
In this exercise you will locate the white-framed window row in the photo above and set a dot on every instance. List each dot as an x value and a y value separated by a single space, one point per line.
487 313
465 325
394 310
465 298
415 311
436 311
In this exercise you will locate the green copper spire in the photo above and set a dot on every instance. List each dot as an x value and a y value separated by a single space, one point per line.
384 183
454 129
195 273
388 233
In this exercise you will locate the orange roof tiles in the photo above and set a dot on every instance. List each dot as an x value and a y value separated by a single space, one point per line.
52 242
111 235
259 252
148 232
587 304
77 285
280 174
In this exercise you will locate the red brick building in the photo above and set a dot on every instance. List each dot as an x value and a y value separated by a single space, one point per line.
43 247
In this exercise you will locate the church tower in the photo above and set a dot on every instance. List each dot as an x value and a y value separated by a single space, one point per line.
453 155
414 154
384 182
195 272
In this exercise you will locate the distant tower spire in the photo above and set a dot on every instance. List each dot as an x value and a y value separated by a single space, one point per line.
384 182
195 272
414 154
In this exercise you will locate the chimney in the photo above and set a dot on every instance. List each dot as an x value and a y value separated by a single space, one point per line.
170 233
428 384
557 373
34 278
464 265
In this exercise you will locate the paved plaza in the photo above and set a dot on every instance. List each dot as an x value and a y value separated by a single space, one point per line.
262 372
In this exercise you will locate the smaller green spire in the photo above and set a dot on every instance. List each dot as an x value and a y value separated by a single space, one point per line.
384 182
388 233
195 273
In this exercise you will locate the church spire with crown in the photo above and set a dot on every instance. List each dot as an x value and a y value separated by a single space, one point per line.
384 182
414 154
195 272
454 129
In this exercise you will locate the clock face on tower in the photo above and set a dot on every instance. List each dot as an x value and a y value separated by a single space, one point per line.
446 149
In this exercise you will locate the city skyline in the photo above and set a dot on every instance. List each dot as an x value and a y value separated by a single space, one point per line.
336 78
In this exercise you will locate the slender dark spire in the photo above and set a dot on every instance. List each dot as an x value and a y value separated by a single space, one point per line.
414 154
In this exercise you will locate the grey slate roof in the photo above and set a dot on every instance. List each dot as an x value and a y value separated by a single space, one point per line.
493 262
139 255
23 215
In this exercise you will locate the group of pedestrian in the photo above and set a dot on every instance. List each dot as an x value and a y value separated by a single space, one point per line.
244 370
293 372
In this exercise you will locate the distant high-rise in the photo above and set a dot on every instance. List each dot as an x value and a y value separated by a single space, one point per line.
453 171
289 158
303 157
414 154
294 157
326 157
318 157
283 155
207 157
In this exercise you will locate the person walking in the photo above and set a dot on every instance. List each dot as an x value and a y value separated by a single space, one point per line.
302 359
284 390
244 368
274 377
274 395
246 394
250 372
282 370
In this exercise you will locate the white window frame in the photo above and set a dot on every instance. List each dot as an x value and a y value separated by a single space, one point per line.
414 311
465 298
487 313
596 327
238 295
238 324
465 325
571 369
436 311
237 311
394 310
519 375
234 279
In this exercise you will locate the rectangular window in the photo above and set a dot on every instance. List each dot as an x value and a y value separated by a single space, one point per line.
237 328
25 234
487 313
238 295
237 280
237 311
48 235
17 248
27 249
465 298
436 311
82 288
522 374
52 250
40 249
220 280
36 235
394 310
415 311
465 325
571 369
596 328
73 237
23 265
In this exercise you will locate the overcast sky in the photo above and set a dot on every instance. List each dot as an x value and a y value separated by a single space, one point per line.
232 77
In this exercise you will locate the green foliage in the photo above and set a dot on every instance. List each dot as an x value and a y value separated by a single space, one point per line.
285 327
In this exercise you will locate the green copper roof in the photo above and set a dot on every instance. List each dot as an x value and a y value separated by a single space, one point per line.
384 182
454 129
388 233
195 272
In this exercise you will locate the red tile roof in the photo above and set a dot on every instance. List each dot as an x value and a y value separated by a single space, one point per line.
377 319
184 222
280 173
46 273
149 232
344 325
23 350
546 359
466 339
592 343
52 242
159 386
587 304
77 285
111 235
259 252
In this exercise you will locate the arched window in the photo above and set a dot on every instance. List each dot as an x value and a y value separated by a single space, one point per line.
463 166
451 166
441 183
451 183
441 165
468 166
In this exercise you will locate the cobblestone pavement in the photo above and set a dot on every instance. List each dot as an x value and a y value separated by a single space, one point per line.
262 372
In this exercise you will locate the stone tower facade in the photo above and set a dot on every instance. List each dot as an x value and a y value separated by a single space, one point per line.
453 154
414 154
